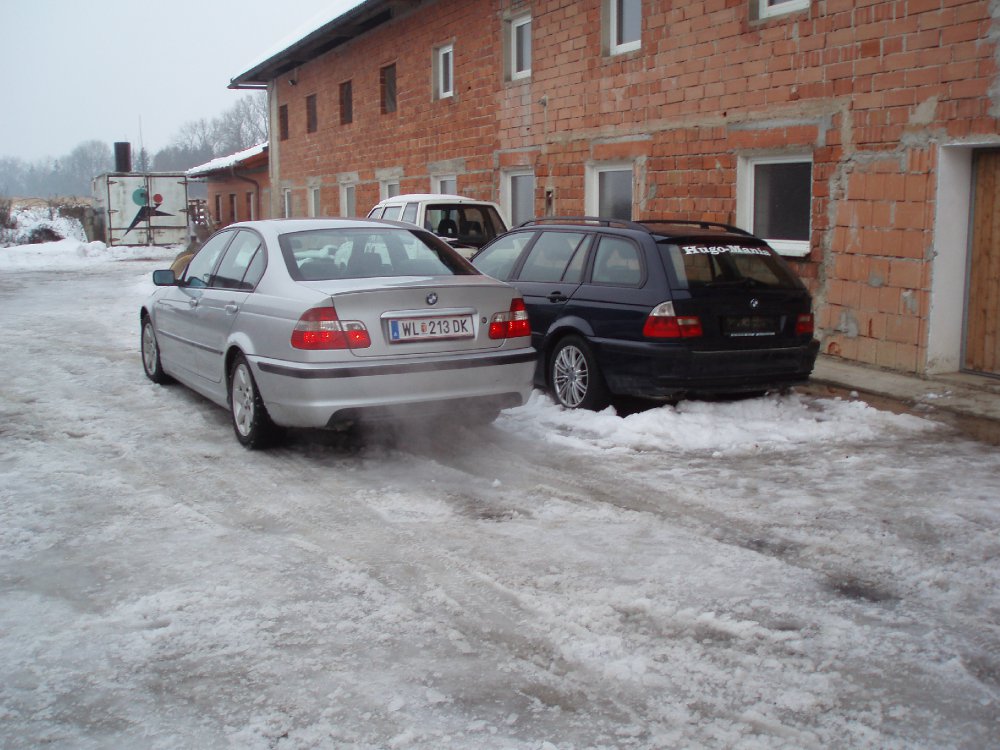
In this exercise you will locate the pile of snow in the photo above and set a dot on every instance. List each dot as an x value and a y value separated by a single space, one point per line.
30 220
75 253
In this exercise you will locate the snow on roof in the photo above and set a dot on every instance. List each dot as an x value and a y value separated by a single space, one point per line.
335 10
225 162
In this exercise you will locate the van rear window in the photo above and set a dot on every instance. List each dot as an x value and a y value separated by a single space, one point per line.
710 264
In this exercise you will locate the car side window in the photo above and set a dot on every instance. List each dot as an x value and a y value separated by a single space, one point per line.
242 252
617 262
498 259
410 213
391 213
551 256
199 270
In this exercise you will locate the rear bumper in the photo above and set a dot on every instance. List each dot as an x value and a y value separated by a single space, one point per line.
670 371
310 395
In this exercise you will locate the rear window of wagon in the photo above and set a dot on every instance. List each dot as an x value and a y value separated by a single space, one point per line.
718 264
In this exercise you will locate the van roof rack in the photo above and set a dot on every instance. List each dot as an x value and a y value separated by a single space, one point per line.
644 225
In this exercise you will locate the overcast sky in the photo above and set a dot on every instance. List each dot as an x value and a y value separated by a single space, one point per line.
74 71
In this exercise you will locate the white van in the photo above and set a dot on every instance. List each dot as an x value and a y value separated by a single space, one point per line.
466 224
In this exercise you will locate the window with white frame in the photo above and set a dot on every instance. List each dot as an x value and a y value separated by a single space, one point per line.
624 25
444 70
315 207
520 48
517 195
446 184
389 189
608 190
348 200
286 199
774 200
770 8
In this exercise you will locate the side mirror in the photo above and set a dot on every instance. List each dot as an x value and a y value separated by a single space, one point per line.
164 278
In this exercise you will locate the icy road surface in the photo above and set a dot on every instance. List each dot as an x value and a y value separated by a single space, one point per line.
775 573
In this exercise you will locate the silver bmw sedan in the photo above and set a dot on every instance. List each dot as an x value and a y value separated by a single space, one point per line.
324 322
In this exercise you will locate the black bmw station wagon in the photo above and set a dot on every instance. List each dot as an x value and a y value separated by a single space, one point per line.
655 309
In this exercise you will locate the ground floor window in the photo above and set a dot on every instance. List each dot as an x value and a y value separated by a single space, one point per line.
389 189
608 191
517 196
286 195
768 8
446 184
774 200
348 201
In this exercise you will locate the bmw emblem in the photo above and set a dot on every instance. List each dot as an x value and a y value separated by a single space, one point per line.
754 303
432 298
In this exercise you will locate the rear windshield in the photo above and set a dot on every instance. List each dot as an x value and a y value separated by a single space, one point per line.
323 254
706 264
468 223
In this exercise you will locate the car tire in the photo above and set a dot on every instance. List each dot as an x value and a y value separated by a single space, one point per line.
251 422
151 354
574 376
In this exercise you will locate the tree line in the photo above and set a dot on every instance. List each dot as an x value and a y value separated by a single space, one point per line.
241 126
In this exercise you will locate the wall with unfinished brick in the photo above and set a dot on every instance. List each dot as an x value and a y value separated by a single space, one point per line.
870 89
220 186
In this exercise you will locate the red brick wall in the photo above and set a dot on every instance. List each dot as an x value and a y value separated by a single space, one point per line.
869 88
226 185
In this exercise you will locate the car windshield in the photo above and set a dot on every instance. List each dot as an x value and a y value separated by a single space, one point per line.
323 254
706 264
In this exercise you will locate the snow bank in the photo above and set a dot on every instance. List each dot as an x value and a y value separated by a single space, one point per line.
773 423
74 254
29 220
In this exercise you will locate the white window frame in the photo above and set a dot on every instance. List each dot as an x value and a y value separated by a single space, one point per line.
441 178
444 61
766 10
613 22
516 24
348 199
286 199
388 189
314 202
507 192
745 199
592 183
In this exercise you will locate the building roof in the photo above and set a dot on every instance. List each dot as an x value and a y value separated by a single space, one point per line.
250 157
339 24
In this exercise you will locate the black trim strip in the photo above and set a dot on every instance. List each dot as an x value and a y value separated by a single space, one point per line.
399 369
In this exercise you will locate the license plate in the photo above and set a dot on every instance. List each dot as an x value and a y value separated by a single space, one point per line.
750 325
419 329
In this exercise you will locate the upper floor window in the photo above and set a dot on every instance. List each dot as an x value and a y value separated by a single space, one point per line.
774 200
312 116
444 71
769 8
283 122
624 25
387 83
346 103
520 47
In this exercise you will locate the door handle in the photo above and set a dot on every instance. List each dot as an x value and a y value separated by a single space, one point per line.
193 302
557 297
232 308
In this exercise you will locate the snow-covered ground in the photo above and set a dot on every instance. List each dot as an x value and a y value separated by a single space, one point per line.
785 572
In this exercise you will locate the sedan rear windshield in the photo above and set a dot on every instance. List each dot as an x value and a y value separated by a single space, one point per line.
707 264
325 254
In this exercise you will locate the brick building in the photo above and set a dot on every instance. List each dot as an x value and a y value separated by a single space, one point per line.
860 136
238 185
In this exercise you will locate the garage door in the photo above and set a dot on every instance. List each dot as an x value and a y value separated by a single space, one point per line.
982 332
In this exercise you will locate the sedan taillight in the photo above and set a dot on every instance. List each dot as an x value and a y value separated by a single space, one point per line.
664 323
511 324
320 328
